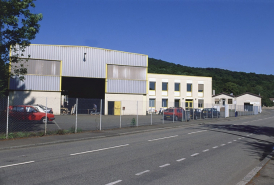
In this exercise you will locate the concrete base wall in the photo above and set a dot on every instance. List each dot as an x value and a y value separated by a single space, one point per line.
128 102
53 99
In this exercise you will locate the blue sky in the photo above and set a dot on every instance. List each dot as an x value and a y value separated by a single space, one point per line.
237 35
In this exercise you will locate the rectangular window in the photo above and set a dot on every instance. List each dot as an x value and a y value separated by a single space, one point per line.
200 87
200 103
151 102
189 87
164 102
216 102
126 72
229 101
152 86
164 86
177 87
176 103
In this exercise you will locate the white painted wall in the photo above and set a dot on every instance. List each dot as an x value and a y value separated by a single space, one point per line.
37 97
129 101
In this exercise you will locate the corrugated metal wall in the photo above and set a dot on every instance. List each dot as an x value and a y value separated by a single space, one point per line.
36 82
73 64
126 86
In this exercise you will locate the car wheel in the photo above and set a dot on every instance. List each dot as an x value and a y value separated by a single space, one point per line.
43 120
176 118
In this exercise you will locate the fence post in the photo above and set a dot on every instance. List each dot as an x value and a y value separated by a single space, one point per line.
151 115
7 129
76 111
173 115
46 122
163 116
137 113
121 115
101 115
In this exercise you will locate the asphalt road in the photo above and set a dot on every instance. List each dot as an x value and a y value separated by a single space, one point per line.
209 154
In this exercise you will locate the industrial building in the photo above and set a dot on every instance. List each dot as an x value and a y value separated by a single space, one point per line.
57 72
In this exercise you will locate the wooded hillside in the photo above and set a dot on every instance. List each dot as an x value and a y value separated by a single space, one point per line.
222 80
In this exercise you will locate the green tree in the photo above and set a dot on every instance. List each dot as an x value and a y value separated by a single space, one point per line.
18 26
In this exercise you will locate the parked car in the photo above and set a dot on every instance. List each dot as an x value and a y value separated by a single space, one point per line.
49 110
209 112
176 113
28 113
197 113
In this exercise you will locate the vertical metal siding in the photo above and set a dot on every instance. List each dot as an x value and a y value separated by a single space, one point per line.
96 59
36 82
126 86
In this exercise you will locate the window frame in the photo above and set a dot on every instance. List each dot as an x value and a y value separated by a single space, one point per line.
166 86
176 83
190 87
154 86
164 99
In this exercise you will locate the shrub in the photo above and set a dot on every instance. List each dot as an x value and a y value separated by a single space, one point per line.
133 122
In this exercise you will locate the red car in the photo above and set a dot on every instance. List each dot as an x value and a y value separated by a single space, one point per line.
28 113
176 113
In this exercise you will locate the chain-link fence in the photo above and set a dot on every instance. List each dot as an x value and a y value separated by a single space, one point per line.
49 115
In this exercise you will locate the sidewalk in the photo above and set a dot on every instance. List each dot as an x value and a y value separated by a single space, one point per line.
263 174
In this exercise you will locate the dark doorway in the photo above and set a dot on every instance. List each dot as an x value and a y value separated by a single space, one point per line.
110 107
76 87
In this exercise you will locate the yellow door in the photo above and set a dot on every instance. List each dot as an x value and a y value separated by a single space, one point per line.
117 108
189 104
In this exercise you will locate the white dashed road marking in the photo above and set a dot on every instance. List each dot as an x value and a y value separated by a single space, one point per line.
215 147
194 154
164 165
229 142
163 138
99 149
197 132
180 159
206 150
222 144
16 164
112 183
140 173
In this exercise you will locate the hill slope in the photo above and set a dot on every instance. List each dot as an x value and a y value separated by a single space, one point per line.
222 80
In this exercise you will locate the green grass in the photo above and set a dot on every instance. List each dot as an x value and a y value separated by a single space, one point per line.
14 135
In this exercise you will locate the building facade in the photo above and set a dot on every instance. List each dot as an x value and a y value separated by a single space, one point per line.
178 91
56 73
78 71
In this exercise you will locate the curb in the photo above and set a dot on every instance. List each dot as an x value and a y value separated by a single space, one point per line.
253 172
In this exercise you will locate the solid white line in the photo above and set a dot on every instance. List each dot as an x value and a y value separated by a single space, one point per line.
222 144
206 150
114 182
197 132
194 154
164 165
180 159
140 173
16 164
229 142
99 149
163 138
